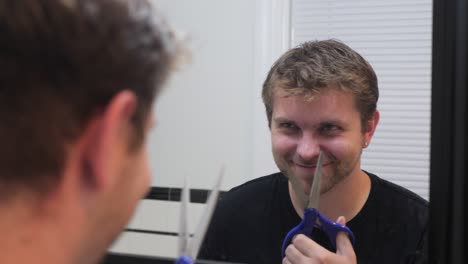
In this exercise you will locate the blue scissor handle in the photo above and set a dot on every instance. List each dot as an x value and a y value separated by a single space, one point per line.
184 260
313 218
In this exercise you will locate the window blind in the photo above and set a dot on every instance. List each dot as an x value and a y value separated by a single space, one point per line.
395 37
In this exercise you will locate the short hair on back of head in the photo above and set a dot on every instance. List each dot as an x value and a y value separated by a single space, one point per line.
61 62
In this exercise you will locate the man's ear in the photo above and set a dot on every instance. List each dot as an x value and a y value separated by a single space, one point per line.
370 128
105 142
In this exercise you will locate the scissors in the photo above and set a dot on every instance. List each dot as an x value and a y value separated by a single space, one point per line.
188 250
312 217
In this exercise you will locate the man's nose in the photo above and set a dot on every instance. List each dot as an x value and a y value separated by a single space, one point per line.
308 148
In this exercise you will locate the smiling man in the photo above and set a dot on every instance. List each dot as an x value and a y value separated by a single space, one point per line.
77 85
320 96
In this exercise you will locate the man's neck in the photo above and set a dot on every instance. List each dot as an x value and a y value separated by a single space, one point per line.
346 198
26 239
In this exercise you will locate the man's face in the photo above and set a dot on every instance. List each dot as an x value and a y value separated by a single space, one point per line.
329 122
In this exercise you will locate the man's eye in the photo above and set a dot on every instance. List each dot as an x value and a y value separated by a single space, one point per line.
329 128
287 125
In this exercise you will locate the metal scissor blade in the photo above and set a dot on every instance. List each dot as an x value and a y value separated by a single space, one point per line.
314 195
183 229
206 217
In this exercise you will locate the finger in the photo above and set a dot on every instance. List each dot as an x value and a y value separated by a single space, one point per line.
307 246
343 243
341 220
293 255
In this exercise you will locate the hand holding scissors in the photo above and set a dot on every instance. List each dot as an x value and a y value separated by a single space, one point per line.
188 250
312 217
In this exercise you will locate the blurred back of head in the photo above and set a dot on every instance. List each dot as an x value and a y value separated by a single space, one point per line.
61 61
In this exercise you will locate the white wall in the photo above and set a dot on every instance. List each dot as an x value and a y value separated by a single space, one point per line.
204 117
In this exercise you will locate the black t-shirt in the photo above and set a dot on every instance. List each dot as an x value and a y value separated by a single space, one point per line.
251 221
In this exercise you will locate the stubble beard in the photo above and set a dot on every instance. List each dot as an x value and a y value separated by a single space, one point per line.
339 173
